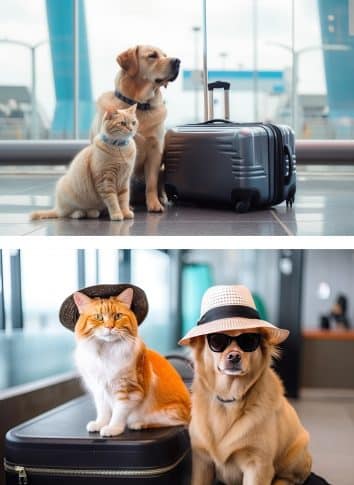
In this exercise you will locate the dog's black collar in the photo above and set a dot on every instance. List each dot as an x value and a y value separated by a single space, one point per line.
141 106
225 401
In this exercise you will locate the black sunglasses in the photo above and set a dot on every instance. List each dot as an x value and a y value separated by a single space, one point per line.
248 342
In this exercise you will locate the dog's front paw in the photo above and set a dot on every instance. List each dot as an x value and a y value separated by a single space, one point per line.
94 426
110 430
116 216
154 205
128 214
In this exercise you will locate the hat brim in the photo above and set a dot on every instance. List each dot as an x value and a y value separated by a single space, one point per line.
274 334
69 314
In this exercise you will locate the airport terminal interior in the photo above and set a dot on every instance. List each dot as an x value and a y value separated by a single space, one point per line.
299 72
299 290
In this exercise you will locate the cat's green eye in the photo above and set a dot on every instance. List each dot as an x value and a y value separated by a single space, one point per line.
99 317
123 123
133 123
118 316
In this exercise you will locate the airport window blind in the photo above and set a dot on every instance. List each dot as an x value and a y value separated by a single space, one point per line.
288 62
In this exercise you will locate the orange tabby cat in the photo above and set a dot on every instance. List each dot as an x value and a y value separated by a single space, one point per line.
132 385
99 175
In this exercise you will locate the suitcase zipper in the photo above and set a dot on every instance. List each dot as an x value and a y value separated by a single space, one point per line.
22 471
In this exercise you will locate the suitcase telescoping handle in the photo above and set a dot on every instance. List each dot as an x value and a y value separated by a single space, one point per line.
219 85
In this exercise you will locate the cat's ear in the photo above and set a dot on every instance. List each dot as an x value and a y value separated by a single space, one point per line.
81 301
132 109
108 115
129 61
126 297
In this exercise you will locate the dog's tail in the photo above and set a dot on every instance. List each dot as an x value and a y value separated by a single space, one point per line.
50 214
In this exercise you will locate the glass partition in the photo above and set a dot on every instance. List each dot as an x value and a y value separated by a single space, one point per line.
287 62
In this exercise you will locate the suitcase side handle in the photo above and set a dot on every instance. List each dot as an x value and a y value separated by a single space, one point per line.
288 153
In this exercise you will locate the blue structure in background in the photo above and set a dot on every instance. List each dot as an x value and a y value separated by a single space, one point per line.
60 27
339 65
268 81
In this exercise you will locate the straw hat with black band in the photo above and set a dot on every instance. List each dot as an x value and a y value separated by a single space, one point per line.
69 314
231 307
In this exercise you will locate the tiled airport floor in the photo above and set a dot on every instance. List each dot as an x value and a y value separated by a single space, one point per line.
329 418
324 206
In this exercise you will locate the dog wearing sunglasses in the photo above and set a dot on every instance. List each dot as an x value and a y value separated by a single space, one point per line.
243 430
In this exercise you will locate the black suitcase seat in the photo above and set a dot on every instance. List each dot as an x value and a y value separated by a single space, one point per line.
56 448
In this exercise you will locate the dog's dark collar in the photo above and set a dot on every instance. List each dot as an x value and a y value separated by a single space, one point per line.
226 401
141 106
113 141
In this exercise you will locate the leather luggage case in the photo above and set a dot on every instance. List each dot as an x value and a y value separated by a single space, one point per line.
55 448
242 165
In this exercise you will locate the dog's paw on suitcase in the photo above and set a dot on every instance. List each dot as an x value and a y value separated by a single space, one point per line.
110 430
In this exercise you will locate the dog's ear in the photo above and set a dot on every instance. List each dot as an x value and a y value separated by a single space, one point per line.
197 343
129 61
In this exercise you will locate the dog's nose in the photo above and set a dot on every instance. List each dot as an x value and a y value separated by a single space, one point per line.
175 62
234 357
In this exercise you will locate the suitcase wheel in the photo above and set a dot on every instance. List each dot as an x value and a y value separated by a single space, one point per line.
290 200
242 206
171 192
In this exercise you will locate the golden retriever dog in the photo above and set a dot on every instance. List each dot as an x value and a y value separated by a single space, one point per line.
144 70
243 430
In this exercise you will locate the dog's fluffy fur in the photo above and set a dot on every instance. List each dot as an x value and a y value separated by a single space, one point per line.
257 438
144 70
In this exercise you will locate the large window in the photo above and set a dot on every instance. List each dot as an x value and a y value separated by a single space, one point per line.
33 344
287 61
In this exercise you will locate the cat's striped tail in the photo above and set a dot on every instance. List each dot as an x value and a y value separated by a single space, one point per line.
50 214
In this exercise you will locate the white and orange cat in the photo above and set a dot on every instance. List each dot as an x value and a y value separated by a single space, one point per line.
99 175
132 385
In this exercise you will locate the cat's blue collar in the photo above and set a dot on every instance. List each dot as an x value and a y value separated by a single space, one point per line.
114 142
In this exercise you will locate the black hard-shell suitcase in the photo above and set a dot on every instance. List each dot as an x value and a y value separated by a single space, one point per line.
243 165
55 448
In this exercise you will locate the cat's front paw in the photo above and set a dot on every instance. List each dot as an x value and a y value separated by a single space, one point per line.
78 214
116 216
110 430
128 214
94 426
